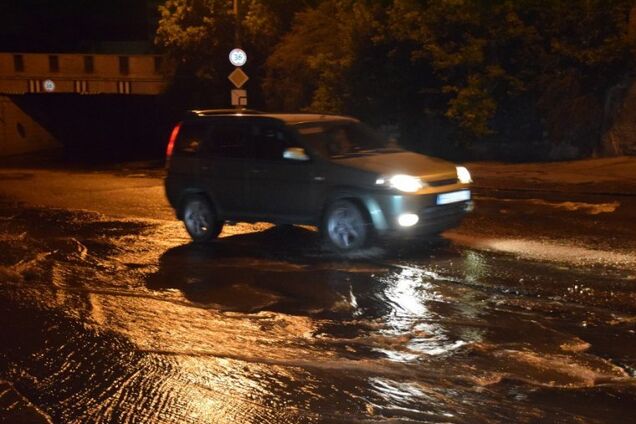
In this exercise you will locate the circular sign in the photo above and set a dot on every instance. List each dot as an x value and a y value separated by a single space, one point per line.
238 57
49 86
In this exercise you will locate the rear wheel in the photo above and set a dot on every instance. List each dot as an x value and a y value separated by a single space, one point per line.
200 219
345 227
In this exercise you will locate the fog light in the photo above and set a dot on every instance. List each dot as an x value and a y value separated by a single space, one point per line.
408 219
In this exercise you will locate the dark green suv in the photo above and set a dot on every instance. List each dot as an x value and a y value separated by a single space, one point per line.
330 171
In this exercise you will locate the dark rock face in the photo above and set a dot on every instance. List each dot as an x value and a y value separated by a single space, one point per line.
620 139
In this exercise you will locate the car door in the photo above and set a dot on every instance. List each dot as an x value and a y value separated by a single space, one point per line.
282 190
223 167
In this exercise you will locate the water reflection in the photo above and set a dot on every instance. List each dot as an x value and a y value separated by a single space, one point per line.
475 265
406 291
252 272
405 308
413 297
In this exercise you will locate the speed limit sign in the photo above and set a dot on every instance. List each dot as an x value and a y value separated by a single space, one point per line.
238 57
49 86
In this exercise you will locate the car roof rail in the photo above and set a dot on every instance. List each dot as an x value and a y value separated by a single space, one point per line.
235 111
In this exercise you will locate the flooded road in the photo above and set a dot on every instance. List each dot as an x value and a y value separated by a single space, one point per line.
107 318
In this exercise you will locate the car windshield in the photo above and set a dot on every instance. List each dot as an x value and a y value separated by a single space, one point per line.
344 139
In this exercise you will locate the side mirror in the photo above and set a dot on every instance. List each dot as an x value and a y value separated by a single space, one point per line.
295 153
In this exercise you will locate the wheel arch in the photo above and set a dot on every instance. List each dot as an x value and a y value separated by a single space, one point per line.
344 193
367 202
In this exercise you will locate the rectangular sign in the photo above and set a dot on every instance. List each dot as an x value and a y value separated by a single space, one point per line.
453 197
239 97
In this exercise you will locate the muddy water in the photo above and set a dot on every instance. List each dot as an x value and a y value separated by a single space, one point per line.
124 321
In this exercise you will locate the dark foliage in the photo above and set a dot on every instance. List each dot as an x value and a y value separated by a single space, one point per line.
436 71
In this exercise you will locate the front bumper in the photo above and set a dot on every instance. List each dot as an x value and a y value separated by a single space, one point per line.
385 209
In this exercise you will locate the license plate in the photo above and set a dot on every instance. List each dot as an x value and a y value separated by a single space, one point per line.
453 197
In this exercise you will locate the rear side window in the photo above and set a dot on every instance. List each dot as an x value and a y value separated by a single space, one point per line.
269 142
191 138
228 141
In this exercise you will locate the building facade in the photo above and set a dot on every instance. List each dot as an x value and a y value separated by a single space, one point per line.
24 73
45 76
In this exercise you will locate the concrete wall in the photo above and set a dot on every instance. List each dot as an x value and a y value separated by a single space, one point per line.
19 133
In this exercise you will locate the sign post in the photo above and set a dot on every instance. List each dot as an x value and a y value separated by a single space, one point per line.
237 77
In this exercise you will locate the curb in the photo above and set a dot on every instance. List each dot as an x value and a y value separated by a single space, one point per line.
546 190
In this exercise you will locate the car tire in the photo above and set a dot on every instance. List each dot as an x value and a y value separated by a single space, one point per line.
200 219
345 227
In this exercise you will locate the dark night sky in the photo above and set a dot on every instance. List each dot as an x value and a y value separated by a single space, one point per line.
72 25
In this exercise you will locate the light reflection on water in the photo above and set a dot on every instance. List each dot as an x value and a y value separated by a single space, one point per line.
406 292
475 265
411 296
404 396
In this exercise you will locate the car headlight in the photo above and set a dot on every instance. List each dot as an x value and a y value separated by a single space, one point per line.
463 175
406 183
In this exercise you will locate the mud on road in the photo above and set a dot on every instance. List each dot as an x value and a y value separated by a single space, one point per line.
123 320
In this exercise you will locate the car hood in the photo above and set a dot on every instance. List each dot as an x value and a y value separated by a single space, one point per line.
401 163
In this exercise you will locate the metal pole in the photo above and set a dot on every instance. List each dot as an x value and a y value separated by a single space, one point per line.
237 25
237 34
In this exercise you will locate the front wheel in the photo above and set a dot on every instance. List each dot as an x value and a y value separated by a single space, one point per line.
345 227
200 219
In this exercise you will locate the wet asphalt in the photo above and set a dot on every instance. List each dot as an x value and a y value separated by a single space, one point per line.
525 313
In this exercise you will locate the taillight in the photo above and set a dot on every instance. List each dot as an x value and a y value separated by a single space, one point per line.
173 139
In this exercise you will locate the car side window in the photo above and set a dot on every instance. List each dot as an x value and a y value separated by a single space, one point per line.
228 141
191 138
269 142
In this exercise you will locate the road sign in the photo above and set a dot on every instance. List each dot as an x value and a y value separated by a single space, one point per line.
49 86
239 97
238 57
238 77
